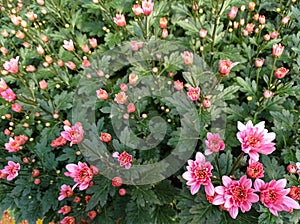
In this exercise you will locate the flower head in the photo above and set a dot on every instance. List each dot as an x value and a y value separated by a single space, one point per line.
65 192
124 159
60 141
187 57
137 9
235 194
68 220
214 143
194 93
12 65
277 50
198 173
280 72
11 170
120 20
225 66
121 98
12 145
255 169
255 139
68 45
233 12
102 94
105 137
73 134
65 209
274 196
8 95
81 173
147 6
294 193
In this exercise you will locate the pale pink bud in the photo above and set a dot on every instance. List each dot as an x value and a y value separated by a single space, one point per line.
137 9
7 132
233 12
236 24
266 37
203 33
262 19
251 6
86 63
70 65
3 50
68 45
123 87
102 94
31 16
268 94
122 192
4 33
206 103
20 35
277 50
259 62
43 84
26 44
130 108
24 24
242 22
194 93
120 20
3 85
285 20
256 16
134 45
245 33
49 59
133 79
40 50
40 2
178 85
250 27
147 6
292 168
60 62
274 34
93 42
85 48
164 34
187 57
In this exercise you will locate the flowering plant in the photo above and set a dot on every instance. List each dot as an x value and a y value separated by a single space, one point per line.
105 105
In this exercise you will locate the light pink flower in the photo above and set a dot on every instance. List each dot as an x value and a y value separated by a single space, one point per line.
12 65
164 33
137 9
16 107
65 192
135 46
102 94
147 6
132 79
85 48
233 12
285 20
123 87
198 173
274 34
11 170
262 19
43 84
3 85
68 45
202 33
268 94
124 159
121 98
93 42
225 66
214 143
194 93
81 174
255 169
259 63
187 57
178 85
40 50
120 20
131 108
12 145
274 196
70 65
255 139
73 134
277 50
235 194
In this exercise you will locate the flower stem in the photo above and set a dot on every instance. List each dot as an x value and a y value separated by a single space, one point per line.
236 163
272 72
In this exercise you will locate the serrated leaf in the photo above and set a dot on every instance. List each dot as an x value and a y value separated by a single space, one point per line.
273 171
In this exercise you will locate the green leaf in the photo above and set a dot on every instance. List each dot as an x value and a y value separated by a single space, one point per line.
137 214
273 171
143 195
112 39
64 100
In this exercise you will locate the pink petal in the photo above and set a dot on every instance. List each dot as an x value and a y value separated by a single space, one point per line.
71 167
291 203
218 200
253 198
260 125
208 152
200 157
187 175
241 126
115 155
195 188
226 180
258 184
254 155
280 183
127 166
233 211
209 189
273 211
220 190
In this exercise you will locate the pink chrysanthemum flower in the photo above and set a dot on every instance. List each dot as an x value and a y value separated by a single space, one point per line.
73 134
198 173
68 220
81 174
255 169
124 159
235 194
11 170
214 143
8 95
194 93
12 65
65 192
255 139
274 196
12 145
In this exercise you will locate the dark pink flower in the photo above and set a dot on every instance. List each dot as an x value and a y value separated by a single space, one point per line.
295 193
116 181
255 169
73 134
124 159
194 93
280 72
214 143
65 192
235 194
68 220
81 174
233 12
65 209
60 141
105 137
225 66
12 65
92 214
8 95
11 170
274 196
255 139
12 145
198 173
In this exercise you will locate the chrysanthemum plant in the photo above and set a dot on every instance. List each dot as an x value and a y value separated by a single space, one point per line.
150 111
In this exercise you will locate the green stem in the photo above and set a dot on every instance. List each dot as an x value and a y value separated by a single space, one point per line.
257 77
272 72
236 163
